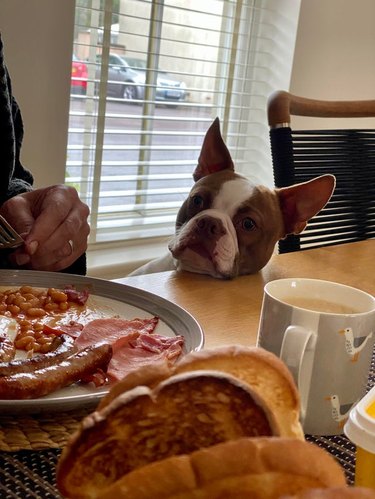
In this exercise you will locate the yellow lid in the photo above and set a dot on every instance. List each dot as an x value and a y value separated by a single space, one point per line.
370 409
360 426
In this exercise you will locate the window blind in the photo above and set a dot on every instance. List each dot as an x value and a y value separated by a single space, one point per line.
158 73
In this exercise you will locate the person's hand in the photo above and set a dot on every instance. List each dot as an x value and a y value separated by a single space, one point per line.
53 222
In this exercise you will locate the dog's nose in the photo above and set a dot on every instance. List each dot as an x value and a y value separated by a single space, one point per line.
210 226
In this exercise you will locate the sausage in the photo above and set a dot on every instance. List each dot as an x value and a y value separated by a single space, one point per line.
64 348
44 381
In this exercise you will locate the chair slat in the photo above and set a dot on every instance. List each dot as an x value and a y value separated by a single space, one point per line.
349 154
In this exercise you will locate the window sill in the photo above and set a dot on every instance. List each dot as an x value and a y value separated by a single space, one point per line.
117 262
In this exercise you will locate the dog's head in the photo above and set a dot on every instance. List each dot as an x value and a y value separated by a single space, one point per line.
228 226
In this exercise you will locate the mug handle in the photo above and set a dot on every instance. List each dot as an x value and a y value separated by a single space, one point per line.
297 343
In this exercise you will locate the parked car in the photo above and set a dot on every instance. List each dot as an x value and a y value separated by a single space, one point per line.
78 83
127 77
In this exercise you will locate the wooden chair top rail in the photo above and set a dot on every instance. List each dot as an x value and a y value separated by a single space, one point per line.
282 105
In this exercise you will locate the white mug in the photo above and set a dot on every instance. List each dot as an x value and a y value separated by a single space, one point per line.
325 334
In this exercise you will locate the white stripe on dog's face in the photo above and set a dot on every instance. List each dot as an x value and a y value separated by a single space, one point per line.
231 195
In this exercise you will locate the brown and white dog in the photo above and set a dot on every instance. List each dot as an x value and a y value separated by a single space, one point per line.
228 226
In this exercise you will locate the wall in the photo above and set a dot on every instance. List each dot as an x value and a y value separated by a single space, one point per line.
37 36
335 51
334 58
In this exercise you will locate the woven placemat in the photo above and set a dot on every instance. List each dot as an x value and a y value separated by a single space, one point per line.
40 431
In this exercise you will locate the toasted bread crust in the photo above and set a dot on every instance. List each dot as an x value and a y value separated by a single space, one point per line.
263 371
334 493
183 413
263 468
149 375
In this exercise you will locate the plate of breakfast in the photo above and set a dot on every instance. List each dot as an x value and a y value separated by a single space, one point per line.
66 339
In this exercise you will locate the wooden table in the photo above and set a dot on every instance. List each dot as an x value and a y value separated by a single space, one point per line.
228 311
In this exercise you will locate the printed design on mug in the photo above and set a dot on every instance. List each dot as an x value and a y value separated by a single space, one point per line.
353 346
340 413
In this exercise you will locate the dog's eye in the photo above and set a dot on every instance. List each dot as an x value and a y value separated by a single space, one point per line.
197 201
248 224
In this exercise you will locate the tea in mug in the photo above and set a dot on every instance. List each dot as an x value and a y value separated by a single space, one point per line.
320 305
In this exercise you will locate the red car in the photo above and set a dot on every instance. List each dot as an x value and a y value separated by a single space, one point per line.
79 77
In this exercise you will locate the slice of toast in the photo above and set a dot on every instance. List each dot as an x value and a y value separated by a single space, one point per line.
256 468
263 371
183 413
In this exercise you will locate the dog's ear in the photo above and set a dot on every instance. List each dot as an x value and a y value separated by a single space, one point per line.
214 155
301 202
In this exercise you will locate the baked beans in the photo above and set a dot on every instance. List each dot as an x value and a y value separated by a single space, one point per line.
29 306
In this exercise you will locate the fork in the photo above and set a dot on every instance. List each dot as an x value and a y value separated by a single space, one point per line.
9 238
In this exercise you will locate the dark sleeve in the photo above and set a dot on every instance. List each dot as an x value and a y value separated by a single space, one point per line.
21 180
14 178
78 267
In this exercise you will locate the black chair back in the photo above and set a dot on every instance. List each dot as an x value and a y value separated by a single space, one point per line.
349 154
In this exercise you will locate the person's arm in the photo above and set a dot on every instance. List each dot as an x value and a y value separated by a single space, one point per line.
52 220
